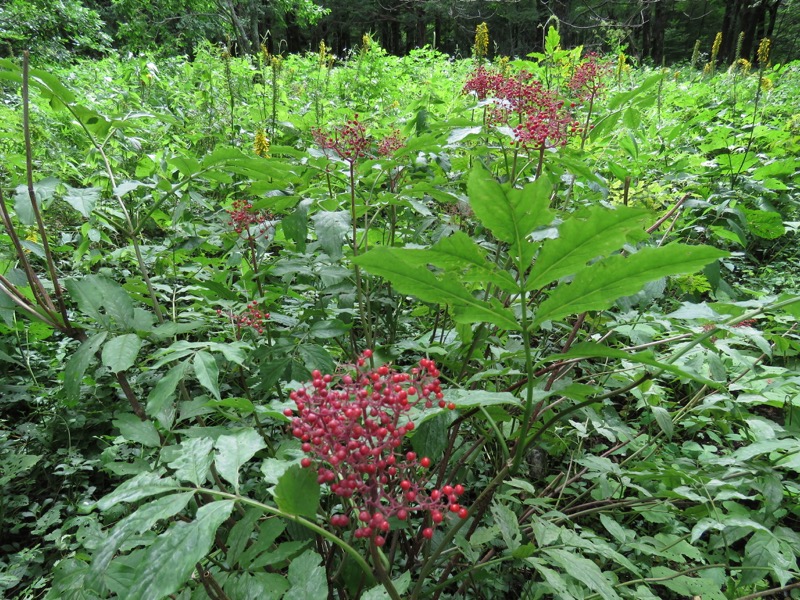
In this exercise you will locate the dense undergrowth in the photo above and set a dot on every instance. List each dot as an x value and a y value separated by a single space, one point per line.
574 279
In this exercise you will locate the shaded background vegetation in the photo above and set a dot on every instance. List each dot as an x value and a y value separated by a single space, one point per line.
652 30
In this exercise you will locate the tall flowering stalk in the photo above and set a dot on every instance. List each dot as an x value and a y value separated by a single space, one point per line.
352 430
587 83
350 142
481 47
250 225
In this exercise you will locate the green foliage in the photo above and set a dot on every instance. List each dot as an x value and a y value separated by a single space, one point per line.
613 322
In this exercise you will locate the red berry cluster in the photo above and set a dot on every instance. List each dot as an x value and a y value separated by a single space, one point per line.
542 120
243 217
349 141
390 144
353 429
252 317
589 77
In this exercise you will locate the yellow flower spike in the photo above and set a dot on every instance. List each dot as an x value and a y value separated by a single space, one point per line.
716 46
261 143
766 84
763 52
481 40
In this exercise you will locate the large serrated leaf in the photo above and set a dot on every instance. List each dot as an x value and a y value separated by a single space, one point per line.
584 570
139 522
597 286
193 461
511 216
307 578
390 264
141 486
168 563
460 255
235 450
587 234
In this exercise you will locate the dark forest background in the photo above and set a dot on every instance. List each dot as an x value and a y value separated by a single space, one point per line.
655 31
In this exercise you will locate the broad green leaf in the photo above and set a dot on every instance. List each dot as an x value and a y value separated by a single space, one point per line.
169 562
401 584
316 357
142 520
511 216
240 534
43 190
460 255
160 397
331 229
256 586
330 328
389 263
193 461
207 372
588 234
624 97
506 521
133 429
597 287
553 579
471 398
99 297
307 578
268 532
295 226
79 362
235 450
688 587
722 524
646 357
584 570
765 224
663 419
762 550
141 486
298 492
614 528
119 353
82 200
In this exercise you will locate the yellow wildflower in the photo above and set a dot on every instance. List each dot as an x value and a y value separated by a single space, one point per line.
261 144
766 84
763 51
481 40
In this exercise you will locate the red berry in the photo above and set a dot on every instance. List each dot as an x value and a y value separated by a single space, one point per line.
425 462
427 533
463 513
305 463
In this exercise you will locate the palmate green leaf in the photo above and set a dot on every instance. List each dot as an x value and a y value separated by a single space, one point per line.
390 264
235 450
139 522
584 570
298 492
119 353
82 200
510 215
587 234
79 362
597 287
307 578
168 563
